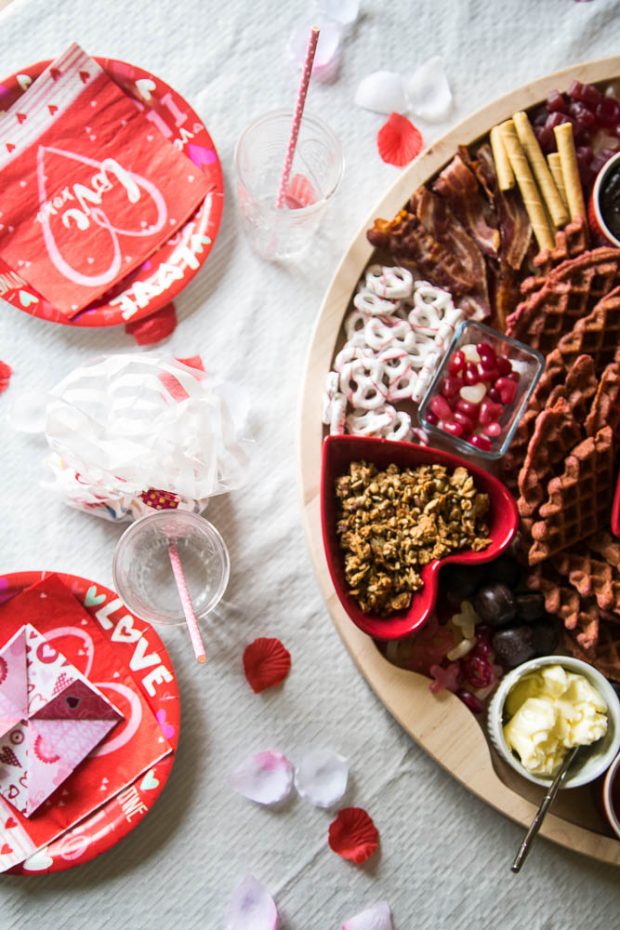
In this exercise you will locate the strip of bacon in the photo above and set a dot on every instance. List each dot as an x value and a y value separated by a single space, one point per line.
459 186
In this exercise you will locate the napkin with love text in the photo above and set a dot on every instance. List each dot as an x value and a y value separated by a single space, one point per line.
88 188
85 749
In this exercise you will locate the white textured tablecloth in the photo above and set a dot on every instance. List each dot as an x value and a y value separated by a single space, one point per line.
444 861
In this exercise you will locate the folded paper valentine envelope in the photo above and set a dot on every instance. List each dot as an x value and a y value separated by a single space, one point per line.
51 718
88 188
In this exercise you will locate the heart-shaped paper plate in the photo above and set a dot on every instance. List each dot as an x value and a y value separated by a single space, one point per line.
136 640
164 275
338 453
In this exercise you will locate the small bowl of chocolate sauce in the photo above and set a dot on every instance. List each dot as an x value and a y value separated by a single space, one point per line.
604 207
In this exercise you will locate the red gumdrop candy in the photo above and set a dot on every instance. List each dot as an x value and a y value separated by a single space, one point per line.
468 408
555 101
481 442
450 386
440 407
493 430
503 365
471 375
608 112
453 428
494 395
514 376
507 390
431 418
466 422
470 700
445 679
456 363
477 669
489 411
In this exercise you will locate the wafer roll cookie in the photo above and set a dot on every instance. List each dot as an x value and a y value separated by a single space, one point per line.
532 200
505 174
570 170
555 167
546 184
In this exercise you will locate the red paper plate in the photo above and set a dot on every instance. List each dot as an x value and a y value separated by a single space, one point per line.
109 823
157 281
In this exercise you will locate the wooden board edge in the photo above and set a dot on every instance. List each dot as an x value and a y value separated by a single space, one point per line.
398 689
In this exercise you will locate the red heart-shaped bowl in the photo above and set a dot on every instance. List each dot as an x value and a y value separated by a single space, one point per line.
338 453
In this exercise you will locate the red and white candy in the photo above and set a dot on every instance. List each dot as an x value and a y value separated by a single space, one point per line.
478 388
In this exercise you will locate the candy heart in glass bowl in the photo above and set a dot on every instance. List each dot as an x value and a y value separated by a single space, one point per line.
339 453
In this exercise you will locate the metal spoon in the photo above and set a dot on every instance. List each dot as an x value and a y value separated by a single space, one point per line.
546 803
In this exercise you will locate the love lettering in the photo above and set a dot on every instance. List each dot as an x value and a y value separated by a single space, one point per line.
123 631
88 196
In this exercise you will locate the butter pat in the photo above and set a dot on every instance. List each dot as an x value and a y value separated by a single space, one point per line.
550 711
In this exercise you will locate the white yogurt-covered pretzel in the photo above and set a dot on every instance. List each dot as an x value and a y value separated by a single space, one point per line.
354 324
331 389
369 302
394 283
371 422
403 388
338 414
352 350
361 382
381 332
400 430
425 376
396 363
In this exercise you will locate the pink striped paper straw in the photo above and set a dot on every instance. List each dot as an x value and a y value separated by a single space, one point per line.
186 602
299 112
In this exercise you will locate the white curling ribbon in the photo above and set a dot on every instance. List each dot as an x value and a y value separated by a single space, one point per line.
127 424
134 185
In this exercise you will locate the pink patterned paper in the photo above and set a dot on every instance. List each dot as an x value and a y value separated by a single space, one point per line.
51 718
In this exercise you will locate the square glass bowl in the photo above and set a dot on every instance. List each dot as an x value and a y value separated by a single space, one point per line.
474 375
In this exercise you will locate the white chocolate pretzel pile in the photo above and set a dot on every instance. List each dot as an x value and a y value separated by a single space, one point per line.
396 337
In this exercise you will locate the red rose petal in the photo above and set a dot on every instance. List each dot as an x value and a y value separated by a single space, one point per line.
398 140
353 835
266 663
154 328
5 376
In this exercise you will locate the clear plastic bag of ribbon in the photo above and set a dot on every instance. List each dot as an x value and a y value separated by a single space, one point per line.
134 433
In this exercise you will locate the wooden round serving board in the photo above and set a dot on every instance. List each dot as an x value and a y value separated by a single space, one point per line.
446 729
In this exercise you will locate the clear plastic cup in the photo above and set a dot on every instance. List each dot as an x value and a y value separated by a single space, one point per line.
142 570
317 168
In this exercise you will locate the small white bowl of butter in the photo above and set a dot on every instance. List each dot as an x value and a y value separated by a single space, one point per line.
543 708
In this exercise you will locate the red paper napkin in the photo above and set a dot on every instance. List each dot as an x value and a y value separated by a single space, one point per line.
88 188
132 747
